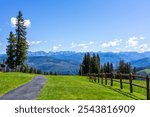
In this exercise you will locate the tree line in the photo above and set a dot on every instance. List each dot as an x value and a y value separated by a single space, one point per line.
91 64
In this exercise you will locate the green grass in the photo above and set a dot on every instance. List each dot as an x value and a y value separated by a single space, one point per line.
79 88
144 72
9 81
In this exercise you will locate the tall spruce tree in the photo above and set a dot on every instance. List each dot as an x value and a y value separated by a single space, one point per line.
22 45
88 64
10 50
98 63
83 67
94 64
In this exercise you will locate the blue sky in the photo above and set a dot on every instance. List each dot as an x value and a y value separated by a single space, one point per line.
79 25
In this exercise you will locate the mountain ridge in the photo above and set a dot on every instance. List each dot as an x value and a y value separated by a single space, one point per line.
67 62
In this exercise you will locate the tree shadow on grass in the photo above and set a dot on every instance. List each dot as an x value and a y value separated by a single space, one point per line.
131 95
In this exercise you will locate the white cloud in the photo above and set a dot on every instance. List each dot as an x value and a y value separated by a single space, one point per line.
143 47
0 43
27 23
142 38
81 45
132 42
56 47
35 42
73 45
91 42
112 43
13 20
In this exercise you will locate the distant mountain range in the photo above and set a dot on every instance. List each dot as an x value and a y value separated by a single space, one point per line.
67 62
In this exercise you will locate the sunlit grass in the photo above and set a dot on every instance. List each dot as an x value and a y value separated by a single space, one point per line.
12 80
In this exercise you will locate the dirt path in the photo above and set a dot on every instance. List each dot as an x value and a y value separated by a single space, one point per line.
28 91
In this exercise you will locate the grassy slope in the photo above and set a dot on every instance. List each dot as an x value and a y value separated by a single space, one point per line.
144 72
9 81
77 87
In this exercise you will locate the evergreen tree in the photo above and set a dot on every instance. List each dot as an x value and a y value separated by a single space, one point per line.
88 63
10 50
102 69
31 70
39 71
94 64
105 68
111 68
85 66
22 45
98 63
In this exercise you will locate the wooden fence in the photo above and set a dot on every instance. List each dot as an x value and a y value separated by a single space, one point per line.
112 77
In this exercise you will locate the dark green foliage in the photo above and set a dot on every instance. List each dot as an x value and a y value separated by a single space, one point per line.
90 64
94 65
85 66
31 70
10 50
22 45
107 68
39 71
124 67
17 47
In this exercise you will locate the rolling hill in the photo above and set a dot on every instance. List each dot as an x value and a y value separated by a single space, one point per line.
144 72
141 63
48 64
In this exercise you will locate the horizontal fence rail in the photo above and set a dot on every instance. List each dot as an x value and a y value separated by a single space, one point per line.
112 77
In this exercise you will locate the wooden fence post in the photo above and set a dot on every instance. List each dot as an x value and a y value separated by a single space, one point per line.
130 80
105 79
147 88
121 86
112 75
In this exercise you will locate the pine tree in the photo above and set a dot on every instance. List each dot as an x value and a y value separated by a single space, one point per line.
83 68
98 63
105 68
88 62
94 64
11 49
111 68
22 45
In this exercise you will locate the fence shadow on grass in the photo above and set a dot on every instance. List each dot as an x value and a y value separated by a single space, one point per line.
124 93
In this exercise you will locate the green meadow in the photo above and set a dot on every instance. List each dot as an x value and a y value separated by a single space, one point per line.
79 88
10 81
73 88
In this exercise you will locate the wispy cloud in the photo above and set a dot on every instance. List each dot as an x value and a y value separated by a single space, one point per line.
91 42
142 37
81 45
56 47
27 23
0 43
36 42
132 42
13 21
112 43
143 47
